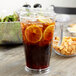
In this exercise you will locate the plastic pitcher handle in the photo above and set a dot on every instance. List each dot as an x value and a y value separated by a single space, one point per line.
61 34
62 19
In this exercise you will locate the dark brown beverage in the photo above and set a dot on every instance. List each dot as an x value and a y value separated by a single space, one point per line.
37 57
37 39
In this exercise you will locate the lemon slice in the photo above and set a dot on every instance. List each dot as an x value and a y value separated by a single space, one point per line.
33 34
43 19
48 33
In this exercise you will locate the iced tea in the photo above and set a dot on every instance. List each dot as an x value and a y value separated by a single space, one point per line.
37 39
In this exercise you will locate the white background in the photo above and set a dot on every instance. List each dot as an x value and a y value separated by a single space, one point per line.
16 4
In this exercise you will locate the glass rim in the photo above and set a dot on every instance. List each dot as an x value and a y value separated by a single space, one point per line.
35 12
43 10
35 15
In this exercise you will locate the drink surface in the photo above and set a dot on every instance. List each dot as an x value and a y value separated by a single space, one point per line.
37 39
